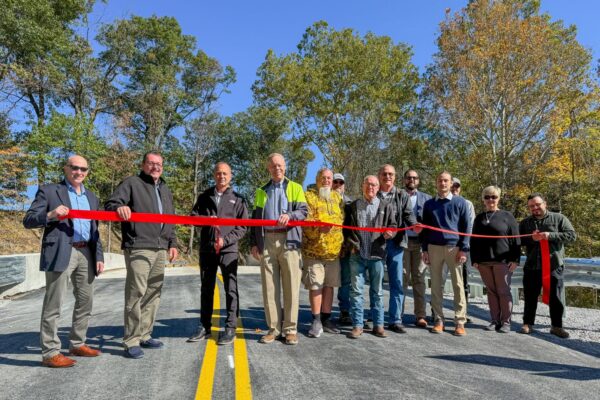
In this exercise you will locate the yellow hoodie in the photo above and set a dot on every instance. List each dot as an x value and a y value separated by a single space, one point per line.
317 244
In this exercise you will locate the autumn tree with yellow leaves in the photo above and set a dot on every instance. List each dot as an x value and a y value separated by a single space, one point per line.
513 95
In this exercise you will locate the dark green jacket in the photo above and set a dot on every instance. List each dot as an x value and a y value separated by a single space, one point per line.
561 232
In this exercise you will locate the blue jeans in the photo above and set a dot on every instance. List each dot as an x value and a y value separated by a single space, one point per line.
358 266
344 290
393 262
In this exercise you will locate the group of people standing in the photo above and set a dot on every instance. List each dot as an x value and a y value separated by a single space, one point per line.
322 257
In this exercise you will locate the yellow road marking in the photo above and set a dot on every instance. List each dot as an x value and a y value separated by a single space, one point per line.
209 362
243 387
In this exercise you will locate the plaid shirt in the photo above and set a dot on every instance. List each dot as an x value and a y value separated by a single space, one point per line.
367 213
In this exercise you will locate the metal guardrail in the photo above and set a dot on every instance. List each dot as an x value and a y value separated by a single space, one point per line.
579 272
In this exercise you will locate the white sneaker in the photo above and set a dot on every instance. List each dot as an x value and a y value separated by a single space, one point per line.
316 329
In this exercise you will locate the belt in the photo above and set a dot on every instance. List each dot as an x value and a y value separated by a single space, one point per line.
279 230
79 245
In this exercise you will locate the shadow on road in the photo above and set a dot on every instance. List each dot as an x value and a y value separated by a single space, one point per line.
552 370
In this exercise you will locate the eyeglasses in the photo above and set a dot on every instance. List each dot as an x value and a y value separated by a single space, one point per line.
414 178
154 164
78 168
338 181
493 197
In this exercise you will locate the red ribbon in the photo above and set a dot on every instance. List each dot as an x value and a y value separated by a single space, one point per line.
208 221
545 250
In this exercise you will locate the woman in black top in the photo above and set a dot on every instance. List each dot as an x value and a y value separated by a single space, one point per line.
496 259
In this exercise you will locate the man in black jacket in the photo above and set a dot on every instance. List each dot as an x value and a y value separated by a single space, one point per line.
367 251
219 248
147 247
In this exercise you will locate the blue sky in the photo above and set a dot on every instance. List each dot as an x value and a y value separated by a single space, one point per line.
239 33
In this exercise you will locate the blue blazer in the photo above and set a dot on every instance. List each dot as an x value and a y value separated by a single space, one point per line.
421 199
58 235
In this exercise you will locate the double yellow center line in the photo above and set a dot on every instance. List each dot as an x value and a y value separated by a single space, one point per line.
243 388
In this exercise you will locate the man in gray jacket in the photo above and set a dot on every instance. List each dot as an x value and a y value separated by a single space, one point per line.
147 248
557 230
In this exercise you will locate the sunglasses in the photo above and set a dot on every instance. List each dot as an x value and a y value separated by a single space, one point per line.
338 182
78 168
493 197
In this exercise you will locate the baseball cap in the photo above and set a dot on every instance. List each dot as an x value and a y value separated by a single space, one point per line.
455 181
338 176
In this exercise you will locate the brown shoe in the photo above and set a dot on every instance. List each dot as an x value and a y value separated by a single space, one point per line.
560 332
268 338
379 332
421 323
84 351
459 330
355 333
438 327
58 361
291 339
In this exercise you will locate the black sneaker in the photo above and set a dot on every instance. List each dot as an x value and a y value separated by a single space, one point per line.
329 327
398 328
345 318
492 326
201 333
227 336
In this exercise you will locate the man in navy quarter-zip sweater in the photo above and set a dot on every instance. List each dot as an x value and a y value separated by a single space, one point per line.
451 213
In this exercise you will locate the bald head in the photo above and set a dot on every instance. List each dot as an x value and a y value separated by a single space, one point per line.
76 169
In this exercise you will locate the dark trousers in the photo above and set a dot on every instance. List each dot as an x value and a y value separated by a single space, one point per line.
532 286
209 262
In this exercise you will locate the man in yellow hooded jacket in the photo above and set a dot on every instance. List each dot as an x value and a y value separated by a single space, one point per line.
321 250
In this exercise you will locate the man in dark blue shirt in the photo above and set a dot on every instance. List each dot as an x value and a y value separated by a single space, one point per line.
450 213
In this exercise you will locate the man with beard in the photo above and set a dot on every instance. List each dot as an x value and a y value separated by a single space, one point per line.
557 230
321 249
414 268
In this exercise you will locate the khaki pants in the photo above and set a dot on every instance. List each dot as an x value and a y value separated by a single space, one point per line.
438 255
414 272
143 284
280 269
81 272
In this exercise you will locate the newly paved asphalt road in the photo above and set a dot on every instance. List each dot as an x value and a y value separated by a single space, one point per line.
416 365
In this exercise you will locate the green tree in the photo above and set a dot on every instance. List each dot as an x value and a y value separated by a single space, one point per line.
34 36
163 79
50 145
346 94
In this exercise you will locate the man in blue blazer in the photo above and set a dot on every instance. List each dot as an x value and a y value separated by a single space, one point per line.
414 267
71 248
